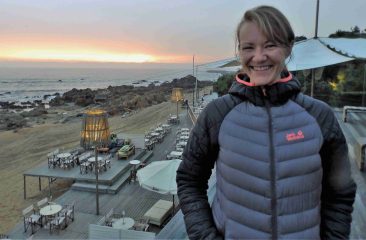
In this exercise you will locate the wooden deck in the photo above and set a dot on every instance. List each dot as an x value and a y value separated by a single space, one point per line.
106 178
136 200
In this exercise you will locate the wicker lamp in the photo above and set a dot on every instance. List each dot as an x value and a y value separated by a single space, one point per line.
95 133
177 95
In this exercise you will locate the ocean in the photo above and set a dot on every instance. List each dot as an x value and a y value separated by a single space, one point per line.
29 84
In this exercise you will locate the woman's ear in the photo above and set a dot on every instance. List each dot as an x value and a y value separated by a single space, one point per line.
289 49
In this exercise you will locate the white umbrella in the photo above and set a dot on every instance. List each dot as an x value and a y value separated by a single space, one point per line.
160 176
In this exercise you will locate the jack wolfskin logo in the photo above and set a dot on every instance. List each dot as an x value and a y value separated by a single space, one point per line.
294 136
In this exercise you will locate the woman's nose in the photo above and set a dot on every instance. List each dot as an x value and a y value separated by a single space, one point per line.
259 55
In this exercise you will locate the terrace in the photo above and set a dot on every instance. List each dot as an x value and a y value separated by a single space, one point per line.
136 201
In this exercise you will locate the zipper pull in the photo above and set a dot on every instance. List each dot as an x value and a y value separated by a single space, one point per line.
264 90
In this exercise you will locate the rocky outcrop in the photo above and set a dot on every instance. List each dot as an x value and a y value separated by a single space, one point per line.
120 99
10 121
115 100
36 112
14 106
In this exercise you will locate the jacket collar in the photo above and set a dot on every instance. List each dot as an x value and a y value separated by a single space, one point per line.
277 94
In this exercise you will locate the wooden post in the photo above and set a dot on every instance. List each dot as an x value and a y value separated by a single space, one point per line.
25 188
39 183
316 19
316 36
312 82
49 187
193 87
96 168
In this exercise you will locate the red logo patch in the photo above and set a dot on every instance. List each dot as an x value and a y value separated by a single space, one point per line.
294 136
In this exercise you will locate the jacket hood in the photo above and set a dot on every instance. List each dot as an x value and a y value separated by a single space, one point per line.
277 94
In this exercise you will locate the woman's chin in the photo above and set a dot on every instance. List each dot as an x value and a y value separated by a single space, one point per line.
261 81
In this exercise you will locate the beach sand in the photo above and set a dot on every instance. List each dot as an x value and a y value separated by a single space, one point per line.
28 147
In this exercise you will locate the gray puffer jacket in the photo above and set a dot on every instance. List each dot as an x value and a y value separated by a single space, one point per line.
282 167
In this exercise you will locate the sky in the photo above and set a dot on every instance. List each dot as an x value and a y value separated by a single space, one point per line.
152 31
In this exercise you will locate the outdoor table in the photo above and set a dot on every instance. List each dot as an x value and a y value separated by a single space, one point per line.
165 125
181 144
159 129
134 163
103 150
92 161
50 210
175 155
184 138
185 129
155 134
123 223
63 155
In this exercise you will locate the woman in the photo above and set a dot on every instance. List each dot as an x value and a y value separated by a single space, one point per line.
282 168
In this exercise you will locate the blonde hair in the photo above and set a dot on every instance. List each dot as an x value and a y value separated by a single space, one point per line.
272 23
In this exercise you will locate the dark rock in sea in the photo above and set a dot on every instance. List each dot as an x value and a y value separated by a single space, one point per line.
11 105
36 112
84 101
60 80
7 93
57 101
81 97
26 103
46 96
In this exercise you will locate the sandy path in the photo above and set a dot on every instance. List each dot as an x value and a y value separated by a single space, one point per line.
22 150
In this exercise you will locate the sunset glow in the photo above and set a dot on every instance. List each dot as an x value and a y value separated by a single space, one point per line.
53 55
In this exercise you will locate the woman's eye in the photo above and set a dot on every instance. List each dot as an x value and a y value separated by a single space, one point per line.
271 45
246 48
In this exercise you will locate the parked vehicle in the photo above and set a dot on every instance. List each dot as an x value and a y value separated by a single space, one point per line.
127 150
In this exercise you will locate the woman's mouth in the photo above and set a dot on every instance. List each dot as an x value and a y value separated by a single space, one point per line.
260 68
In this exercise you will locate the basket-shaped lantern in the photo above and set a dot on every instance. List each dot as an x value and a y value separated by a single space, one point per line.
95 129
177 94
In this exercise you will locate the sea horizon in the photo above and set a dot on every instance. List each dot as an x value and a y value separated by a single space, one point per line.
22 84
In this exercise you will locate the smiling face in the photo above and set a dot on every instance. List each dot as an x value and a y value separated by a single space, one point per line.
262 59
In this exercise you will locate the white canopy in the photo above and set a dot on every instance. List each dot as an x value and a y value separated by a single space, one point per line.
159 176
355 48
311 53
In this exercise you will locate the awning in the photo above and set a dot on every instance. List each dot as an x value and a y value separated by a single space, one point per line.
311 53
355 48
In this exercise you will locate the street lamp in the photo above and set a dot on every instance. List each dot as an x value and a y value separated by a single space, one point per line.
363 86
95 133
177 95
